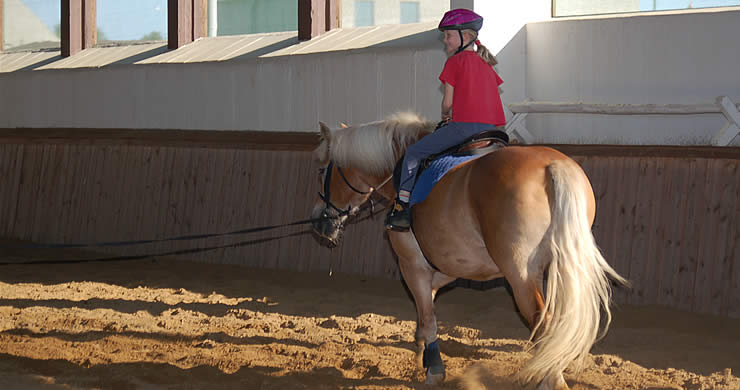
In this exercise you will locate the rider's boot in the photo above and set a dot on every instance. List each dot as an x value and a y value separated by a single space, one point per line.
399 217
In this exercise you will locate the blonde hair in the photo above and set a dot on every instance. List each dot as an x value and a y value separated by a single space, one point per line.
482 51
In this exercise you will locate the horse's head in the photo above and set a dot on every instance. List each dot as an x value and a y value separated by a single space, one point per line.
343 190
356 161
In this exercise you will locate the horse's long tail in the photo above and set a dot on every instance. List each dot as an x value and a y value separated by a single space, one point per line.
578 287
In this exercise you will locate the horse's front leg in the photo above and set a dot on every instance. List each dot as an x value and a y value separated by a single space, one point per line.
423 282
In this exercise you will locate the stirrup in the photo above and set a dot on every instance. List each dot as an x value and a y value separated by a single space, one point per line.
398 218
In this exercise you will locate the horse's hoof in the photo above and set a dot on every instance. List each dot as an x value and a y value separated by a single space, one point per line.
557 383
435 375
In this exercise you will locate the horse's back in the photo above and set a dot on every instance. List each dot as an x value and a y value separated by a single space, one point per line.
508 177
517 164
520 173
495 201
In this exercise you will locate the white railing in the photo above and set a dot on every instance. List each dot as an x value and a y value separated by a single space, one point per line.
723 105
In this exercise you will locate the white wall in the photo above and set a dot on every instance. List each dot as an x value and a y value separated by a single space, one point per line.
502 19
591 7
681 58
504 33
289 93
659 59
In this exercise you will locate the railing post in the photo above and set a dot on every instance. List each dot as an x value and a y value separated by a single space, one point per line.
517 128
732 128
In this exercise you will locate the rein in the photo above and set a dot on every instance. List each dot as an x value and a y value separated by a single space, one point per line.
169 253
141 242
325 216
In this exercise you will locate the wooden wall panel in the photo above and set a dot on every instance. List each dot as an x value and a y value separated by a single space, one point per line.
728 293
670 224
682 235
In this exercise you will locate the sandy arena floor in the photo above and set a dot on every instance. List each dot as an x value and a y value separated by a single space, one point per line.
181 325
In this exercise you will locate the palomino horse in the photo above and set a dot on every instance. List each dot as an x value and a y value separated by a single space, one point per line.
519 212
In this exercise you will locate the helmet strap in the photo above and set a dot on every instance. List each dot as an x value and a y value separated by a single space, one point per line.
461 42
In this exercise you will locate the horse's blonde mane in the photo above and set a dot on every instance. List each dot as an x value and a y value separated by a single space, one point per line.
375 147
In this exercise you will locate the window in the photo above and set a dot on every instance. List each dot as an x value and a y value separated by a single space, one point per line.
356 13
409 12
659 5
256 16
133 20
589 7
31 24
364 13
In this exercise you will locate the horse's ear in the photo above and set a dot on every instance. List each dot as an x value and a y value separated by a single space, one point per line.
322 152
325 131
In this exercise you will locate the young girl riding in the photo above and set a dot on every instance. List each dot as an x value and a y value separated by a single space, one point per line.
471 103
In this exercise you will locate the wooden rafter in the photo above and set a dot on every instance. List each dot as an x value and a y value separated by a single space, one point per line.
316 17
89 23
332 14
71 27
79 26
187 20
1 26
200 19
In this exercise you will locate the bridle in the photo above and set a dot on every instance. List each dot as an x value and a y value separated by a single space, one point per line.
326 196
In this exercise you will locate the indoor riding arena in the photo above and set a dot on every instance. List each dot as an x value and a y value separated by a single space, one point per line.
158 178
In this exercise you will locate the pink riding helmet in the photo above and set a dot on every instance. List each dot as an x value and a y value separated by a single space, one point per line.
461 19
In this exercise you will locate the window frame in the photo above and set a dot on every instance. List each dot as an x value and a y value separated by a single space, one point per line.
187 20
552 11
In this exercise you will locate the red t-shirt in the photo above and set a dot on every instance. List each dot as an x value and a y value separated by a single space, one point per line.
475 98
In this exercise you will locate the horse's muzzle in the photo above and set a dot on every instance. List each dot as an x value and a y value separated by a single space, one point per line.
326 237
328 232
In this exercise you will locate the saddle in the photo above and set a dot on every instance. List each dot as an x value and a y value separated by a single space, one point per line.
479 144
474 147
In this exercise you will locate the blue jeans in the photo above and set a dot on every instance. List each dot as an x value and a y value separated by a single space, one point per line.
445 137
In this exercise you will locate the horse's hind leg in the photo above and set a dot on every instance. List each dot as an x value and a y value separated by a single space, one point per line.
423 282
530 300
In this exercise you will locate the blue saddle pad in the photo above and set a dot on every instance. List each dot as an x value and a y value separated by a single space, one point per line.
430 176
